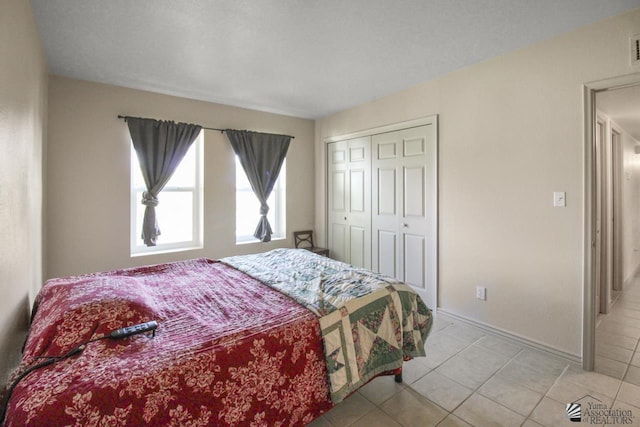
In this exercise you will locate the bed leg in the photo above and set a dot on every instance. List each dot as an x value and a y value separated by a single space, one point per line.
398 377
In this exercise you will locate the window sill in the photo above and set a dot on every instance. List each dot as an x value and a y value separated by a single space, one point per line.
248 242
165 251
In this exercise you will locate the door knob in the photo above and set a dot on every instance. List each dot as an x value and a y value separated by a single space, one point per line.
405 225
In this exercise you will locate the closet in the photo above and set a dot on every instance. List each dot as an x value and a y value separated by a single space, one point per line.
382 203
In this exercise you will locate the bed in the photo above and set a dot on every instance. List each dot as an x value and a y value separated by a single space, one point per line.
268 339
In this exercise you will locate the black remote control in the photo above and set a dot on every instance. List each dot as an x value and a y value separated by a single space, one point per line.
135 329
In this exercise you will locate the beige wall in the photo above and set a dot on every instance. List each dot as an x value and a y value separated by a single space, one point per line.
23 92
511 133
88 174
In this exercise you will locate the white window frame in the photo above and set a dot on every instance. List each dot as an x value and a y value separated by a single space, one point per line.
138 248
278 208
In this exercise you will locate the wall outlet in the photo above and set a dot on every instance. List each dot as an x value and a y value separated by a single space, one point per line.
481 293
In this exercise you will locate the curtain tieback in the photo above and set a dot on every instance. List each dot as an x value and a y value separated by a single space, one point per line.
149 199
264 209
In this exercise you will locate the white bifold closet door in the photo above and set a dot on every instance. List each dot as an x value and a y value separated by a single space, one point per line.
404 212
349 203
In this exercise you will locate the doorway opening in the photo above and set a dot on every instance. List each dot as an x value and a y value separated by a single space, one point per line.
612 218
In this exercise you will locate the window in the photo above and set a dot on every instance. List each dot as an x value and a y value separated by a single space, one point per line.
248 206
179 211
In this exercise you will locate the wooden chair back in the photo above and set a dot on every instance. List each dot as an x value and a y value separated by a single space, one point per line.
303 237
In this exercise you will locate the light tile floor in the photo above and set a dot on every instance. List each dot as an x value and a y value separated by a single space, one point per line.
470 377
618 336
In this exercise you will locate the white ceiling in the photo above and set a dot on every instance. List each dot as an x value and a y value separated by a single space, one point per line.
301 58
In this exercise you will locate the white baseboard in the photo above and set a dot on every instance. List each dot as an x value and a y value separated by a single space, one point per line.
572 358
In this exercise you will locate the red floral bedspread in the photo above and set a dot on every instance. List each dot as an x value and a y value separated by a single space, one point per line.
228 351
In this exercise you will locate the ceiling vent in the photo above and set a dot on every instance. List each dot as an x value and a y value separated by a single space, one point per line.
635 49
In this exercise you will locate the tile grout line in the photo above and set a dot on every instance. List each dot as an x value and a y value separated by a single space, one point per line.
476 390
483 383
566 368
496 373
616 305
442 330
451 379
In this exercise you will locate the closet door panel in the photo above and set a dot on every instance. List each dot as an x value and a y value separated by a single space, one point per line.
414 264
357 197
357 248
349 186
413 146
387 252
418 217
358 150
413 192
339 248
359 216
387 150
338 200
420 210
338 188
386 195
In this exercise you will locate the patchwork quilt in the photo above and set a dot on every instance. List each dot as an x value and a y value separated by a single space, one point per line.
370 322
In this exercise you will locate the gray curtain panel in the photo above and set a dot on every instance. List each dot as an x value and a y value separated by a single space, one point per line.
160 147
261 156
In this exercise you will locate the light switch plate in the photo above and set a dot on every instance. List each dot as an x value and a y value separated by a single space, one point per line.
559 199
